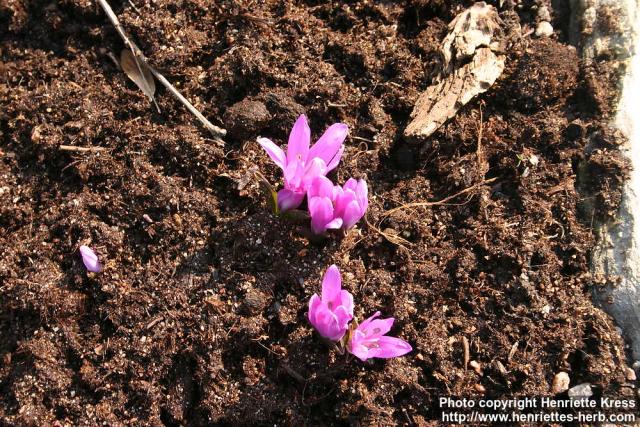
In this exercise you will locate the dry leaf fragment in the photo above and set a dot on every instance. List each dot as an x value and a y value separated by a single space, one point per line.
139 73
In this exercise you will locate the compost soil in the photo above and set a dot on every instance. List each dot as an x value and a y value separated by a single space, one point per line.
199 316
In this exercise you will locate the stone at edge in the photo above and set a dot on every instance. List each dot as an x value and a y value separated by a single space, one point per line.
617 253
560 383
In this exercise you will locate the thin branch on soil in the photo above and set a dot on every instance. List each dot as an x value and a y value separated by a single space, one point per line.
315 401
465 347
257 340
360 138
217 132
439 202
80 149
512 352
483 166
134 7
154 322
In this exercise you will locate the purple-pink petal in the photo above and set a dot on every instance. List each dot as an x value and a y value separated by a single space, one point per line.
275 153
352 214
328 145
90 259
369 340
389 347
330 314
288 199
378 327
331 286
313 169
346 301
314 304
362 194
365 323
343 317
335 160
321 211
327 324
321 186
293 174
299 140
357 345
334 224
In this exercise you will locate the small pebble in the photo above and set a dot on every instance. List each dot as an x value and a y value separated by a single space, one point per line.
630 374
476 367
544 29
560 383
480 388
581 390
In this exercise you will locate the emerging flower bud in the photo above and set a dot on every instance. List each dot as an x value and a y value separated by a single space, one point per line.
331 313
333 207
90 259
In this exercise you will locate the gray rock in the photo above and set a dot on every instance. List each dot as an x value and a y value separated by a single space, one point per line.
580 391
617 252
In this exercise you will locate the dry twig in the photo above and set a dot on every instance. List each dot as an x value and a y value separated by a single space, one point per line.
80 149
217 132
465 348
438 202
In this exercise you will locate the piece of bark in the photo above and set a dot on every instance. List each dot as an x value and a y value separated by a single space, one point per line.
478 26
471 63
442 101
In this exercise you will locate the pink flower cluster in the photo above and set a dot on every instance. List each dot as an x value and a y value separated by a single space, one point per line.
331 313
305 169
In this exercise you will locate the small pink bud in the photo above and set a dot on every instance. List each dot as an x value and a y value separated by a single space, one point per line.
90 259
330 314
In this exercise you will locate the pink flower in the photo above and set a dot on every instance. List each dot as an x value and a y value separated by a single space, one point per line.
333 207
351 202
331 313
301 164
90 259
369 340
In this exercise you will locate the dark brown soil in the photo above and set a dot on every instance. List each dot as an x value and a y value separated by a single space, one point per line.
200 315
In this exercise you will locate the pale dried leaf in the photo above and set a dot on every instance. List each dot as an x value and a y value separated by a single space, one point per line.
139 73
